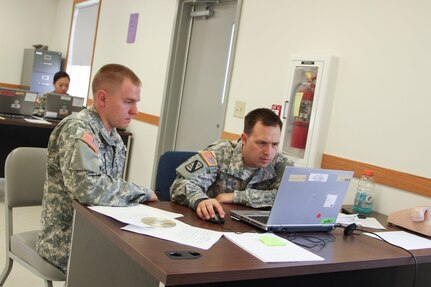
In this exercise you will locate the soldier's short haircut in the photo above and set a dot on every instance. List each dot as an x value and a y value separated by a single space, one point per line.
111 76
266 116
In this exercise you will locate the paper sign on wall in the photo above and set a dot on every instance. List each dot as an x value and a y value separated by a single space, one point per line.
133 26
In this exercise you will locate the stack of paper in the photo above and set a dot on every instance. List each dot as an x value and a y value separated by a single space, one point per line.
370 222
161 224
282 251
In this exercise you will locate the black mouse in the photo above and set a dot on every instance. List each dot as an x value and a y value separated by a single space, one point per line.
217 219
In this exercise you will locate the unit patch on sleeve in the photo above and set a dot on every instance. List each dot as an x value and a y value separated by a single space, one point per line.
208 157
89 139
194 166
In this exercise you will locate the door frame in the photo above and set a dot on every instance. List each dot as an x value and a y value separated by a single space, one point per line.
173 91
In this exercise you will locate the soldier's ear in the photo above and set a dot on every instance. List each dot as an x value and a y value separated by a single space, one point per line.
243 138
100 98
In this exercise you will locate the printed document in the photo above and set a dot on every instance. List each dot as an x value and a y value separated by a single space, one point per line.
282 251
159 223
403 239
370 222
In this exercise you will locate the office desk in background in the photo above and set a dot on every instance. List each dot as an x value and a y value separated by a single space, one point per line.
104 255
16 132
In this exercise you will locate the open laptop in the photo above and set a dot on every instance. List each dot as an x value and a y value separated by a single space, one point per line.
59 106
308 200
16 102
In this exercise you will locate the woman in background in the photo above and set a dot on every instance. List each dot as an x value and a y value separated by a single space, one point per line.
61 83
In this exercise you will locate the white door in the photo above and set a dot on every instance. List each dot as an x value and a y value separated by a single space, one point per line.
200 68
203 103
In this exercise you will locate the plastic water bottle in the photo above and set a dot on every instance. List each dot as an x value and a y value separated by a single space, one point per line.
365 193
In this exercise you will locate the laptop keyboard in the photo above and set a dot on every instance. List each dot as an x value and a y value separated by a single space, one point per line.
260 218
12 116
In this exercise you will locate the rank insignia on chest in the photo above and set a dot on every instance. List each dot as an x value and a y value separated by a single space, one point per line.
208 157
89 139
194 166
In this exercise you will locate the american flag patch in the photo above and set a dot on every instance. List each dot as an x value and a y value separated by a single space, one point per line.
208 157
89 139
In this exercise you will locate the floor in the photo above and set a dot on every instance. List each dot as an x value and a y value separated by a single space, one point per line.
26 218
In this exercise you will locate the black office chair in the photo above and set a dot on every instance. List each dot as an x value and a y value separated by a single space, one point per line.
168 162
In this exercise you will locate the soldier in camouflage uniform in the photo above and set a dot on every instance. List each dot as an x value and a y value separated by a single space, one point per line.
246 172
61 83
86 158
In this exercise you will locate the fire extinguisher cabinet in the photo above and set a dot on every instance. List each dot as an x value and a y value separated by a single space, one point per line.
307 110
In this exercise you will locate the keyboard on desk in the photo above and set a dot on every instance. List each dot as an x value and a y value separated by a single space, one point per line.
54 120
12 116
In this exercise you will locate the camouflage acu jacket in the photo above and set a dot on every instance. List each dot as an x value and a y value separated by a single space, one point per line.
85 162
198 178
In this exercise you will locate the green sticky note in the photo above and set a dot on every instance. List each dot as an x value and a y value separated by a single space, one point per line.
327 220
272 241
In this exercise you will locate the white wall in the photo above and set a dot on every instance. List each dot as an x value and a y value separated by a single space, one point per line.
380 114
24 23
147 57
63 18
380 107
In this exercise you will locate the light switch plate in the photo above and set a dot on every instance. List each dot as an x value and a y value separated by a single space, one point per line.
239 109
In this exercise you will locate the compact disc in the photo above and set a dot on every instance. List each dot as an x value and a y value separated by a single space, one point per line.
158 222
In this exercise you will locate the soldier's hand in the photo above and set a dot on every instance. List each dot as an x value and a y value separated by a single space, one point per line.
205 209
225 197
153 197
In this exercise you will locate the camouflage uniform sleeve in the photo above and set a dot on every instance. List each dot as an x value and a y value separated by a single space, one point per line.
81 171
194 177
264 198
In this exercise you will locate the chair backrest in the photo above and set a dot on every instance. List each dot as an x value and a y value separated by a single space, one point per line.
25 174
166 174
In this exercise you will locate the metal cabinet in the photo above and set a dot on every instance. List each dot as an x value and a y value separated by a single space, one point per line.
39 68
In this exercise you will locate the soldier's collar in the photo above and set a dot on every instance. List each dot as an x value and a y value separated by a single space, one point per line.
109 137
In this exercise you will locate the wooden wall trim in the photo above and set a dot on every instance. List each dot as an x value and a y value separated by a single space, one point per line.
13 86
230 136
385 176
147 118
142 117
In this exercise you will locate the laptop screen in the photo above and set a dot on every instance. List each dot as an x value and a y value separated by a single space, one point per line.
17 102
59 106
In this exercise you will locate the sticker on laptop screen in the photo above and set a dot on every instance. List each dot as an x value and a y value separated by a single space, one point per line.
344 178
320 177
49 114
329 220
298 177
30 97
330 201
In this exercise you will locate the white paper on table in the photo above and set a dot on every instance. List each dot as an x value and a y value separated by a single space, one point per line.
134 214
287 253
370 222
403 239
180 233
38 121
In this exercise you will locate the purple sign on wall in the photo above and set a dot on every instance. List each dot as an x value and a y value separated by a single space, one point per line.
133 26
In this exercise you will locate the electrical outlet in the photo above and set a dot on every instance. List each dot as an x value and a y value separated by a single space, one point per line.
239 109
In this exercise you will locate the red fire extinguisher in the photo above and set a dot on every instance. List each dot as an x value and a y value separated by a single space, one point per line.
301 121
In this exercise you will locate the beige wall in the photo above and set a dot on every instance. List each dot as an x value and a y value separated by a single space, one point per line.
148 57
24 23
380 114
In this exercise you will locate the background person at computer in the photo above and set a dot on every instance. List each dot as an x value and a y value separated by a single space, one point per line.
245 172
61 83
86 158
